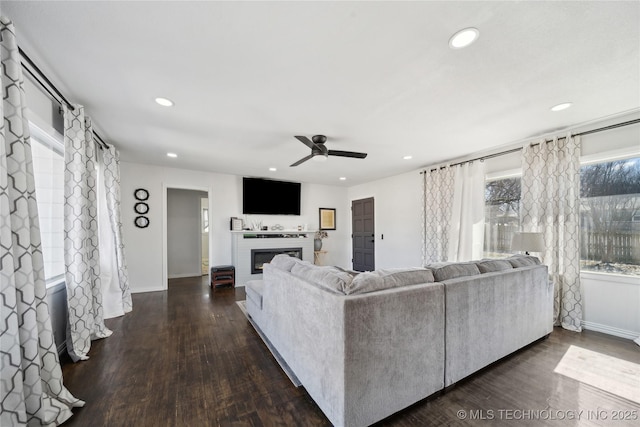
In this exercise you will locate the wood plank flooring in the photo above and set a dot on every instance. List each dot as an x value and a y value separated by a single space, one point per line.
188 357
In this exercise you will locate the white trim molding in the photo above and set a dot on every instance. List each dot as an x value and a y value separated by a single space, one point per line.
610 330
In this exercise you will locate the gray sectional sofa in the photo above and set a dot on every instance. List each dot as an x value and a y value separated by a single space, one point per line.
367 345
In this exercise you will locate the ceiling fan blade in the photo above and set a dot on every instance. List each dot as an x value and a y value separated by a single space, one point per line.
347 154
302 160
306 141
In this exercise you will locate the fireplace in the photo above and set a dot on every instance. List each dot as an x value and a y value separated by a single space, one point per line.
260 256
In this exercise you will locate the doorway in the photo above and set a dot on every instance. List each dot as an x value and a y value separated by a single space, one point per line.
363 237
187 242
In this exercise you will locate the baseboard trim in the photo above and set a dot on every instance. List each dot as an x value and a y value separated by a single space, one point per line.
598 327
143 290
184 275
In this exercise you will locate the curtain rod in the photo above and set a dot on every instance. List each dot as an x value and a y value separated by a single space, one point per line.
514 150
60 99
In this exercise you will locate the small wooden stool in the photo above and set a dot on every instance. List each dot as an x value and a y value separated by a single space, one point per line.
223 275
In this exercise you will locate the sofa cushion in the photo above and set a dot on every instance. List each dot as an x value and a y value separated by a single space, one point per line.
284 262
329 278
386 279
346 270
453 270
523 260
490 265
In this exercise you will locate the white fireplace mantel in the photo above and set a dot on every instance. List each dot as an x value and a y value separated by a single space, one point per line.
242 242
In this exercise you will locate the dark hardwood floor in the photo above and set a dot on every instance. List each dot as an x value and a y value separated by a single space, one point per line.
188 357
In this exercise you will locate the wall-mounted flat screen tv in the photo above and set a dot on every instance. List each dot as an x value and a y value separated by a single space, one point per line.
270 197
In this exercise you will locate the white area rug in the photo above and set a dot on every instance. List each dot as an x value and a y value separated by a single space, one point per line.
607 373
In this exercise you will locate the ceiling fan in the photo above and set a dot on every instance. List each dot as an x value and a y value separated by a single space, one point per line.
320 152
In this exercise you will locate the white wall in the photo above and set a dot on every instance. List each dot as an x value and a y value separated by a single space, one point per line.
398 223
145 248
184 233
611 304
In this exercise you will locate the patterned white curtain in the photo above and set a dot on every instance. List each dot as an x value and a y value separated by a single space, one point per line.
551 204
116 292
31 390
82 257
466 232
437 206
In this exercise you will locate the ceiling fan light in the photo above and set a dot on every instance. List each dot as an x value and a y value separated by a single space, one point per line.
320 158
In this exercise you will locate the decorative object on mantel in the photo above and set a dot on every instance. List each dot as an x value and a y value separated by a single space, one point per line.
277 227
327 218
527 242
317 239
236 224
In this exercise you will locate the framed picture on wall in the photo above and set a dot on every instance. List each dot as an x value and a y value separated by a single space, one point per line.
327 219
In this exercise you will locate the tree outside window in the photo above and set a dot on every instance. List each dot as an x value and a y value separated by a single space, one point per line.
610 217
502 220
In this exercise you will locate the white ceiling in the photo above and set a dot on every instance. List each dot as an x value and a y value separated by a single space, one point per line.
377 77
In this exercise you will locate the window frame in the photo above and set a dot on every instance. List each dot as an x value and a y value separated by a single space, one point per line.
602 157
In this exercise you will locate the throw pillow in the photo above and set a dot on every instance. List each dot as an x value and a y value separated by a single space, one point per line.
523 260
487 266
284 262
452 271
328 278
386 279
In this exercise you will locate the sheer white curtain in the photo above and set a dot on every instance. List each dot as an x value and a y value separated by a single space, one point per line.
31 390
116 295
466 233
551 204
453 213
82 255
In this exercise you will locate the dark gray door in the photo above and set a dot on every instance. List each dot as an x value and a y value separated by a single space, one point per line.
363 237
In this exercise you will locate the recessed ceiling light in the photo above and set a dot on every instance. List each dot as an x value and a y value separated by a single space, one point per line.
343 178
561 107
273 169
463 38
164 102
407 157
172 155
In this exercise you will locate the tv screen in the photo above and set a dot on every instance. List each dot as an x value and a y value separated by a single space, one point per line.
269 197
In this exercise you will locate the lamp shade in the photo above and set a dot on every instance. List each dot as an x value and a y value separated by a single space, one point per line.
528 242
